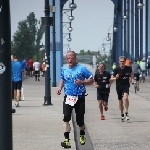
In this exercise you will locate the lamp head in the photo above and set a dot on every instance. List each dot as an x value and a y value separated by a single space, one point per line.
72 6
108 39
115 29
71 18
140 5
69 39
125 17
70 29
103 48
68 49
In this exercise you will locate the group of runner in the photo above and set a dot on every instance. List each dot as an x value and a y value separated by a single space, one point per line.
19 69
74 77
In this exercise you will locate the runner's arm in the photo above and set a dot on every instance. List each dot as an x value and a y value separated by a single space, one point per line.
95 84
114 78
132 77
88 81
111 81
61 84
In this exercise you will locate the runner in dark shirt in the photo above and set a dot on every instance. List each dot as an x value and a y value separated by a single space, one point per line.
123 76
102 83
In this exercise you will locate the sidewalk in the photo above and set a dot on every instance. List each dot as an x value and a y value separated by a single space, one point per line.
112 134
38 127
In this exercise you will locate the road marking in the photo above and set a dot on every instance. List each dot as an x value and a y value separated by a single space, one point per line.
88 145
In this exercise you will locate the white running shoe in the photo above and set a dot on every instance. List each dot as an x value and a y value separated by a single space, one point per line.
17 104
127 117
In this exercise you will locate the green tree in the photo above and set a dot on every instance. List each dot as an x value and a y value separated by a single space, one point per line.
82 52
26 40
88 52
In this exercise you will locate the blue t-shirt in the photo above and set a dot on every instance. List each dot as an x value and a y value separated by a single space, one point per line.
24 63
17 68
69 75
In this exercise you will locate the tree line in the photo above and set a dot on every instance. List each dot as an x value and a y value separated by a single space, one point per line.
26 40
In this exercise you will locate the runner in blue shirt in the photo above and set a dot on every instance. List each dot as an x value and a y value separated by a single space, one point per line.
17 68
73 79
25 65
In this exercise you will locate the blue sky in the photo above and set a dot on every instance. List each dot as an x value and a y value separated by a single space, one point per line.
90 27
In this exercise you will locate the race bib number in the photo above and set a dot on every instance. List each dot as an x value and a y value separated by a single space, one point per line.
71 100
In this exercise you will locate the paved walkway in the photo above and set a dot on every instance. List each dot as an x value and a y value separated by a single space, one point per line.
37 127
112 134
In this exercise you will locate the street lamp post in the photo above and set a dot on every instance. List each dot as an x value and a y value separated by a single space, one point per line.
71 18
125 33
146 32
137 31
132 32
72 5
69 39
69 28
109 39
54 84
141 31
68 47
47 21
5 77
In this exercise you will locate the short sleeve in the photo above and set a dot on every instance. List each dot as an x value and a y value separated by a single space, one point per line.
115 72
95 77
22 65
62 74
130 69
86 73
109 76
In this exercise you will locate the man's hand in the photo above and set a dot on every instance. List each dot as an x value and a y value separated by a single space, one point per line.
117 76
96 86
130 80
78 82
58 91
109 85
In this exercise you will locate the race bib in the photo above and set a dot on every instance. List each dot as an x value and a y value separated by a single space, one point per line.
71 100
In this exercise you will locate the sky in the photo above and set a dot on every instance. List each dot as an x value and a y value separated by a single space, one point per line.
92 20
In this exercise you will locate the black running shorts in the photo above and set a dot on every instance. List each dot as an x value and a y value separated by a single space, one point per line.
37 72
17 85
30 68
120 93
137 76
79 110
103 96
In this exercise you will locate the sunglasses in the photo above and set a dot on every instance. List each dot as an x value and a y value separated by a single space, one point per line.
121 61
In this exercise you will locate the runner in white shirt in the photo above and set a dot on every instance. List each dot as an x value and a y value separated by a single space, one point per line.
36 67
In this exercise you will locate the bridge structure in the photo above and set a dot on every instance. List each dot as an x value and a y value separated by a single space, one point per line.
131 33
131 19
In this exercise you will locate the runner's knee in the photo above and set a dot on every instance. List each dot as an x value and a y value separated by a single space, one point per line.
67 118
125 97
120 102
80 122
100 102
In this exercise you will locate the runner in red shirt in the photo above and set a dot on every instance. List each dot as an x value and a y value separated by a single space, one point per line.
30 64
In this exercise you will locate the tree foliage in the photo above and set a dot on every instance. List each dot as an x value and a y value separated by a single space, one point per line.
26 40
